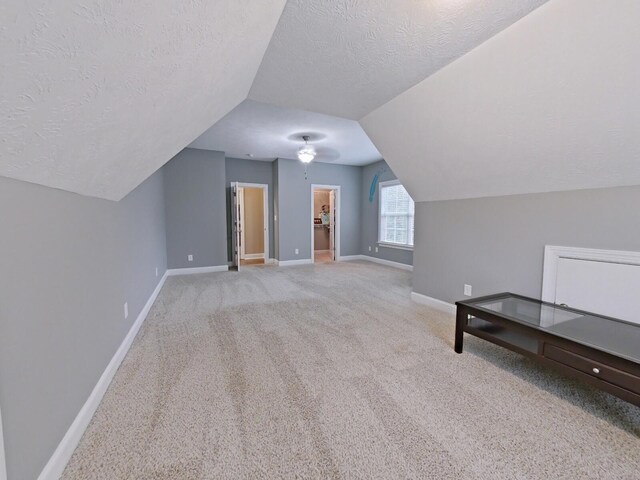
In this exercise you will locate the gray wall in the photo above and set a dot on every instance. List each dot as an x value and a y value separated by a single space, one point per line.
294 200
369 235
497 244
195 204
68 264
249 171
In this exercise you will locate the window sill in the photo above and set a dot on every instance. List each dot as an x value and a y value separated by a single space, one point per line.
395 245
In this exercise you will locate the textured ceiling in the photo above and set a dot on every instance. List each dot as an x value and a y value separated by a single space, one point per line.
348 57
268 132
95 96
549 104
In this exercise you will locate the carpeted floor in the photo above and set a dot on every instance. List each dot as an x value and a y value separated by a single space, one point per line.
330 371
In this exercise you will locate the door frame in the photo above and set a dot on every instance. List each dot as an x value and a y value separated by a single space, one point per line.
336 220
265 201
3 466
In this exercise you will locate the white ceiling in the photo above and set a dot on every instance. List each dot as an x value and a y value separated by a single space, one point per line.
96 96
348 57
268 132
549 104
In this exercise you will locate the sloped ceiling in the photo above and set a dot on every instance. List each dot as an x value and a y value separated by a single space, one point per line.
348 57
96 96
268 132
551 103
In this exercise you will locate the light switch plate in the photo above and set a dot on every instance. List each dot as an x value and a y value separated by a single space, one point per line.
467 290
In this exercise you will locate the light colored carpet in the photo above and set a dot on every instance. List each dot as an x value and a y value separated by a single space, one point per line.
330 371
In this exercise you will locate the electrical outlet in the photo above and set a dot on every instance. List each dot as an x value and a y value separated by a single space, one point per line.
376 249
190 258
126 310
369 247
297 251
467 290
156 271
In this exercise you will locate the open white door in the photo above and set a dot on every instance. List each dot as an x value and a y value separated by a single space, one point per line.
332 224
3 467
235 224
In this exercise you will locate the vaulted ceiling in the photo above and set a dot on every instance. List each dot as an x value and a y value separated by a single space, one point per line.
463 98
549 104
96 96
347 57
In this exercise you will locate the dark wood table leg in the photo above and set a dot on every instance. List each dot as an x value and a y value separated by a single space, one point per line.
461 318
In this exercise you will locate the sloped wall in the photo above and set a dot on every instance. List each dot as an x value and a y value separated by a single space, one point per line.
549 104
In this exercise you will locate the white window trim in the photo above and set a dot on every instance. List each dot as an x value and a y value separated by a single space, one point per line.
401 246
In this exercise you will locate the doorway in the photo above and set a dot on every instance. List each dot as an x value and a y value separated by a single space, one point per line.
250 222
325 223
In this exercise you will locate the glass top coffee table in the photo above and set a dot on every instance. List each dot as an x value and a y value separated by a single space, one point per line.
600 350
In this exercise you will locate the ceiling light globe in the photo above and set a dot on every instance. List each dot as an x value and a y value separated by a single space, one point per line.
306 155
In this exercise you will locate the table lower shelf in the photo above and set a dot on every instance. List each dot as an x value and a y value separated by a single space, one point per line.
501 335
607 372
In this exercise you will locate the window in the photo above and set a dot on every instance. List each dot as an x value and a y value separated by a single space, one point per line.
395 223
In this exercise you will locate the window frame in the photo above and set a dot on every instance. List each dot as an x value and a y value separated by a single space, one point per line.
382 243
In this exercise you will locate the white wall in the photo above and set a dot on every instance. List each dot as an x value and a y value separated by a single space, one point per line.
549 104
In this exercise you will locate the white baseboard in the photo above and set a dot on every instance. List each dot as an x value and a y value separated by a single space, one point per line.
252 256
321 251
58 461
349 258
290 263
188 271
3 463
434 303
388 263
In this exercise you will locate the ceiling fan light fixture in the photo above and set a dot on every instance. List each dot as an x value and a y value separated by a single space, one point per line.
306 154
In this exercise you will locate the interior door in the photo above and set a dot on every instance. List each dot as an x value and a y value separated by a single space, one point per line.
601 287
332 224
241 229
235 224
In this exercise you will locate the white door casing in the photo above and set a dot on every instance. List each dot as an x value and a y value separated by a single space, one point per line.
235 228
241 220
336 220
606 282
235 209
332 224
